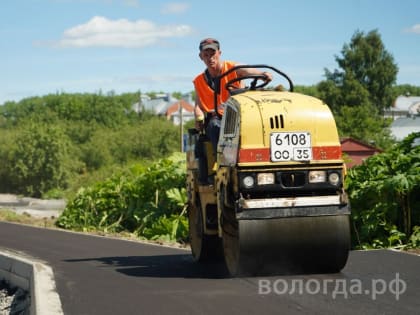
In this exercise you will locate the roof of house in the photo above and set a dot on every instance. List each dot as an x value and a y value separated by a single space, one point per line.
353 145
158 105
403 126
174 107
162 103
410 104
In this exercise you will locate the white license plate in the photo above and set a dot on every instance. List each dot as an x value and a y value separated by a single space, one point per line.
290 146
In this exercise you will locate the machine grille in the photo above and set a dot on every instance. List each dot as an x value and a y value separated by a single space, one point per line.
277 122
230 121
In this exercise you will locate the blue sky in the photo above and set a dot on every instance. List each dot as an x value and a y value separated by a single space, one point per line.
50 46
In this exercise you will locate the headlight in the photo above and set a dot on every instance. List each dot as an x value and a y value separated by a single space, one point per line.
334 178
317 177
265 178
248 181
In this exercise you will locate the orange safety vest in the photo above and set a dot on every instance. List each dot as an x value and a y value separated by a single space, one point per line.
206 94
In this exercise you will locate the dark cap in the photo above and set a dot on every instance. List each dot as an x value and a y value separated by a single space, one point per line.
209 43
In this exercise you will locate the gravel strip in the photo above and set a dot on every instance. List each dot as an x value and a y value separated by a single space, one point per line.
13 301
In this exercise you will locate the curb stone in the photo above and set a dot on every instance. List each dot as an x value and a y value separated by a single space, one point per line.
33 276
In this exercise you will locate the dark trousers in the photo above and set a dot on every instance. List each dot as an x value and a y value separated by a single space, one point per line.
213 132
201 155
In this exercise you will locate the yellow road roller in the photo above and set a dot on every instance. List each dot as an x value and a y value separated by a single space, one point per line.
275 203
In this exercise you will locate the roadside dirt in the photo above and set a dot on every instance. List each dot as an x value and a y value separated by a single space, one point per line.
44 213
32 206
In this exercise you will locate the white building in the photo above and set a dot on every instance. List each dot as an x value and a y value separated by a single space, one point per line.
166 105
406 116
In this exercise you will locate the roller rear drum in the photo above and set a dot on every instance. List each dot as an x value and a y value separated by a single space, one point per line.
287 245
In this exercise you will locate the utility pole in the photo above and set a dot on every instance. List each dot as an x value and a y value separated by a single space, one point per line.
181 126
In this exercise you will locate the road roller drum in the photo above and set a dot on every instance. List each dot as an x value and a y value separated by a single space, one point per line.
288 245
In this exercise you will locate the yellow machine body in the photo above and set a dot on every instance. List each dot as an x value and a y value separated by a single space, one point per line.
277 202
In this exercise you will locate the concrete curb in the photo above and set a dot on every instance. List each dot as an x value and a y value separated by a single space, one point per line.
33 276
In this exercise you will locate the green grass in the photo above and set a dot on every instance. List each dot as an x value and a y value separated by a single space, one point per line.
25 218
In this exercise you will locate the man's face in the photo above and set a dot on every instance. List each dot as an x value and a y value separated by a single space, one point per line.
210 57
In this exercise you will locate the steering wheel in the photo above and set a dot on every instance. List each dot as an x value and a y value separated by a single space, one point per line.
232 89
256 77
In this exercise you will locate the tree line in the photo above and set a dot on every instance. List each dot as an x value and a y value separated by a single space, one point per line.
53 143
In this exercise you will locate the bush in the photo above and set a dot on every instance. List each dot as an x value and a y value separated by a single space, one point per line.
384 193
49 143
146 201
40 160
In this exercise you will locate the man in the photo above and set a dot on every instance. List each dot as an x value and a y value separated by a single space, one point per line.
204 84
205 114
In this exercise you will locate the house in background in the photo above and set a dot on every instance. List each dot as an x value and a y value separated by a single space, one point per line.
402 127
181 109
404 106
405 113
166 105
356 151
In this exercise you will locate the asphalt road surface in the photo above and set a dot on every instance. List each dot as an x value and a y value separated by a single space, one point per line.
98 275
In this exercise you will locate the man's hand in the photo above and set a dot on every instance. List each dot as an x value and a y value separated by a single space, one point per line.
199 125
199 120
268 75
199 116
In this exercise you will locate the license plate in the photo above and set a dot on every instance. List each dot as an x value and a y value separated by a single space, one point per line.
290 146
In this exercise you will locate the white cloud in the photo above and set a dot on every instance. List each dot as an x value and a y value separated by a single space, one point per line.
414 29
175 8
100 31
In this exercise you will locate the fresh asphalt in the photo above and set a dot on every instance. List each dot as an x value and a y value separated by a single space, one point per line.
98 275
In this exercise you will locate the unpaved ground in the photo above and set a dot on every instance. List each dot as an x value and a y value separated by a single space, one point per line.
44 213
33 207
13 301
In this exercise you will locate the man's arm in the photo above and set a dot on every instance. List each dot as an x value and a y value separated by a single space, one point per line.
252 71
198 114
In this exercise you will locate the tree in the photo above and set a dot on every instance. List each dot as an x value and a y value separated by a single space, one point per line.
361 89
311 90
364 123
406 90
41 159
367 74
